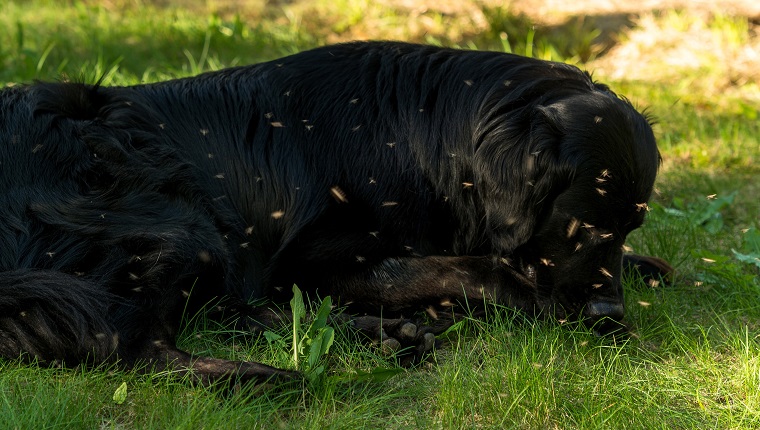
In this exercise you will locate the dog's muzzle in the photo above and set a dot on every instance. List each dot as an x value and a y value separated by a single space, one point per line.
604 316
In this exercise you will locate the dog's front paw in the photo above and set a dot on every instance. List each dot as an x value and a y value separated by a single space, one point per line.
408 341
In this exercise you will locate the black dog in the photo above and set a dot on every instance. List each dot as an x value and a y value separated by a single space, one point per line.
392 177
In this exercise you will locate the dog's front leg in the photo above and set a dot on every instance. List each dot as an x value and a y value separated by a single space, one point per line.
385 297
414 283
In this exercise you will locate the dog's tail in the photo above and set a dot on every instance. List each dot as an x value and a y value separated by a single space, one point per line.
48 316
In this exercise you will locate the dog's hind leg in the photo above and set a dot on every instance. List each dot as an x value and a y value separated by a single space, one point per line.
158 355
55 318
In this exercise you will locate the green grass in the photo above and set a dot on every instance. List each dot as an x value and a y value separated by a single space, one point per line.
693 360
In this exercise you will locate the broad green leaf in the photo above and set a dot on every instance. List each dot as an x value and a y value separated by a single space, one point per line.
747 258
272 337
297 304
320 345
378 374
299 311
314 348
324 311
750 247
710 217
674 212
751 241
120 395
328 336
315 373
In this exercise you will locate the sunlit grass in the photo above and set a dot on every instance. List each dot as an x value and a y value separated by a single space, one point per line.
693 358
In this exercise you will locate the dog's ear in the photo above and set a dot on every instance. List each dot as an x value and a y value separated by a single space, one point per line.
519 173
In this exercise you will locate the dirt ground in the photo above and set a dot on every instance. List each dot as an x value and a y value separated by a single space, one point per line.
716 40
550 11
654 39
550 8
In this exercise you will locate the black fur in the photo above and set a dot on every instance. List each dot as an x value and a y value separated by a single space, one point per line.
391 176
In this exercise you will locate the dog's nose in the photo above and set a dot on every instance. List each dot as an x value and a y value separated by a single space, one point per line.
597 310
605 317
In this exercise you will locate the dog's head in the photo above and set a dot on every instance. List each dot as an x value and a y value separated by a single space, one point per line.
573 196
